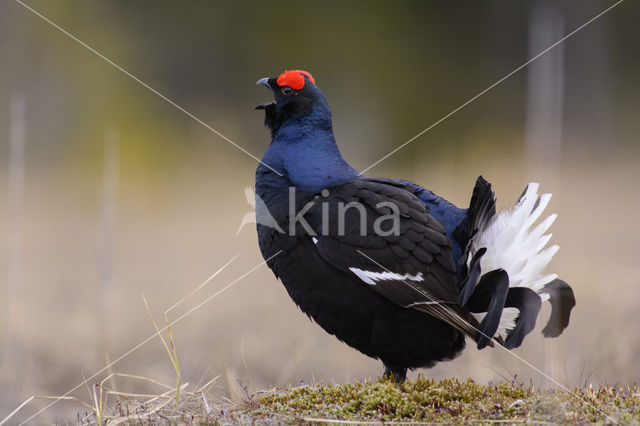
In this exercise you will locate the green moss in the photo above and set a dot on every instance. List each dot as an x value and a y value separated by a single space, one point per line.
449 400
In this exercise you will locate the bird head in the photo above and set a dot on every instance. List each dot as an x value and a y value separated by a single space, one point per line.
303 147
295 95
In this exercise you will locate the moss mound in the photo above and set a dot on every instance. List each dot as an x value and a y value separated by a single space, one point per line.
449 401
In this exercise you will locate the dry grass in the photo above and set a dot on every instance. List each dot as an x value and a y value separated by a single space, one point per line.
174 404
111 407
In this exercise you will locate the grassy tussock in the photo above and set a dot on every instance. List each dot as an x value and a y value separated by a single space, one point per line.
448 401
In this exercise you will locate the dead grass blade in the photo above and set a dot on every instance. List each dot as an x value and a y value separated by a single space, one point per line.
170 348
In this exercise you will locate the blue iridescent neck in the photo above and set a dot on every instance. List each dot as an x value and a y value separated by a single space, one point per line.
304 150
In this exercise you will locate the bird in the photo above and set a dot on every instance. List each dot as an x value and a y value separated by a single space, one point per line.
387 266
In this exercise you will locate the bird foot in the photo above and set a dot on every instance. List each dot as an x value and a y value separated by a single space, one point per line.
398 374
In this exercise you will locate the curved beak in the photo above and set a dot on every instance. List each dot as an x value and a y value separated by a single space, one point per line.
263 82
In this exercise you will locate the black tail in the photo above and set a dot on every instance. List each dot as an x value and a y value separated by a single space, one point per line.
528 304
489 292
482 208
562 302
489 296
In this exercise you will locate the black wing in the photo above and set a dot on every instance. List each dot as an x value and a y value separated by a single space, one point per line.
377 231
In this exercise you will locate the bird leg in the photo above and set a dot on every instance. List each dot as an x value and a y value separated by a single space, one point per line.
399 374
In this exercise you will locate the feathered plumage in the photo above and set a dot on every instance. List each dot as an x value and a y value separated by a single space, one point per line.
387 266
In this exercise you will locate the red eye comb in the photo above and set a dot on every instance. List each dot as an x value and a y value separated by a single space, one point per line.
294 79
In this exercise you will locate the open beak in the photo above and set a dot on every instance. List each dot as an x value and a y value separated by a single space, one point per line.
264 82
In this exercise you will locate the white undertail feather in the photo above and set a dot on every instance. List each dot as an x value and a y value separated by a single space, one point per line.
513 244
370 277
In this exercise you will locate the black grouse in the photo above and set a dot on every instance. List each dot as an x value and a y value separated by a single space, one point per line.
385 265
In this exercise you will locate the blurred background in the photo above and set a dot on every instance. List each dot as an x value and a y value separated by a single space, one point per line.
108 192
